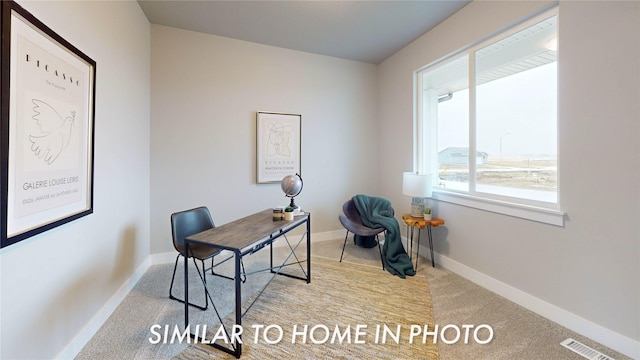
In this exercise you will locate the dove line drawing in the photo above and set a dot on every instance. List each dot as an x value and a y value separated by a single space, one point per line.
55 131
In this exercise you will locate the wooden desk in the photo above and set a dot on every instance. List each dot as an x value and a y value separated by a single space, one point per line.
421 223
244 237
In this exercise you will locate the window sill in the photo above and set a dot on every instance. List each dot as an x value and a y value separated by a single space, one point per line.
534 213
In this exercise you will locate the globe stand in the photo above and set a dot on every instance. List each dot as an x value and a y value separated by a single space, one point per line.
293 205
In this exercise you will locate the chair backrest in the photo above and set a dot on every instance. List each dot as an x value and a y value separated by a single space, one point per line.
350 210
188 222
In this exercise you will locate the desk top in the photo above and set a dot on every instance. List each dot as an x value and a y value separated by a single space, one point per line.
241 233
421 222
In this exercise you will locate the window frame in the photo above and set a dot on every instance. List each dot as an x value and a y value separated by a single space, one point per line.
425 139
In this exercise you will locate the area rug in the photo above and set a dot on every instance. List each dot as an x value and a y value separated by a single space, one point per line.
348 311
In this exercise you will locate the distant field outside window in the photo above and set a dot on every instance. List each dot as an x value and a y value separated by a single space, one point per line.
494 109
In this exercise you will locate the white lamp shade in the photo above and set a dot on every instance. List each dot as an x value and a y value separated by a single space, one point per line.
416 185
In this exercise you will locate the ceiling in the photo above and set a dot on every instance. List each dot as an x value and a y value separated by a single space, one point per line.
367 31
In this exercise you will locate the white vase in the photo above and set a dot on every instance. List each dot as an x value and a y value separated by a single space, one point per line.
427 217
288 216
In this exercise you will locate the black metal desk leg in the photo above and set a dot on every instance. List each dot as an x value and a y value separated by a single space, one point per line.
238 351
309 249
433 263
186 287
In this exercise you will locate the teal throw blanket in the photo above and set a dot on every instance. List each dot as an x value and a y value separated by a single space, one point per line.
375 213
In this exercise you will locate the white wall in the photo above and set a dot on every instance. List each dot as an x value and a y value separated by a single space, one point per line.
53 284
206 91
589 268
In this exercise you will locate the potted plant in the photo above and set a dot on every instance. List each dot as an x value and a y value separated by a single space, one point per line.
427 213
288 213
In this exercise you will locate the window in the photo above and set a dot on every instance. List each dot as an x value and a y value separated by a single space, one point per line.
487 122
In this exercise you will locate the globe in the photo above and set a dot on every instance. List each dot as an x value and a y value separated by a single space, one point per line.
291 186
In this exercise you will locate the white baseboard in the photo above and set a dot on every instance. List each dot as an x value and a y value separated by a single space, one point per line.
593 331
328 235
163 258
82 338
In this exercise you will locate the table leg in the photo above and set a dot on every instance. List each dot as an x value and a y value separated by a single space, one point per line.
408 239
411 246
186 287
418 249
309 249
238 351
433 263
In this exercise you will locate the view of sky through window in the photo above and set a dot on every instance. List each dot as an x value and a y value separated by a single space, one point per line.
514 121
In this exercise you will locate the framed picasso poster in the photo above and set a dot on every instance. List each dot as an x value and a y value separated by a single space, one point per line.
278 145
47 127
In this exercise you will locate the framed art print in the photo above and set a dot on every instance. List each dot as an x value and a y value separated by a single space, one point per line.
47 132
278 145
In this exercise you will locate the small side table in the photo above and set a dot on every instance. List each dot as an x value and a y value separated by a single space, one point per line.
421 223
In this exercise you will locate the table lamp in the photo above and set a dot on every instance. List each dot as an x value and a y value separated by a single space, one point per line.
418 186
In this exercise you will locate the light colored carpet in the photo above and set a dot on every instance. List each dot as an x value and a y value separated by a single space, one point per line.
518 333
342 295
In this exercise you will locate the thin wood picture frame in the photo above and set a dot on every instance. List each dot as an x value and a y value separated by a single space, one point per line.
47 128
278 144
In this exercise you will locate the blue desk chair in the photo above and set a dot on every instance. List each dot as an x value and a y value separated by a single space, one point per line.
184 224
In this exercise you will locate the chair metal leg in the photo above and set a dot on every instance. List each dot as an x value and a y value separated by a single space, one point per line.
175 266
346 236
213 272
345 244
243 276
380 250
